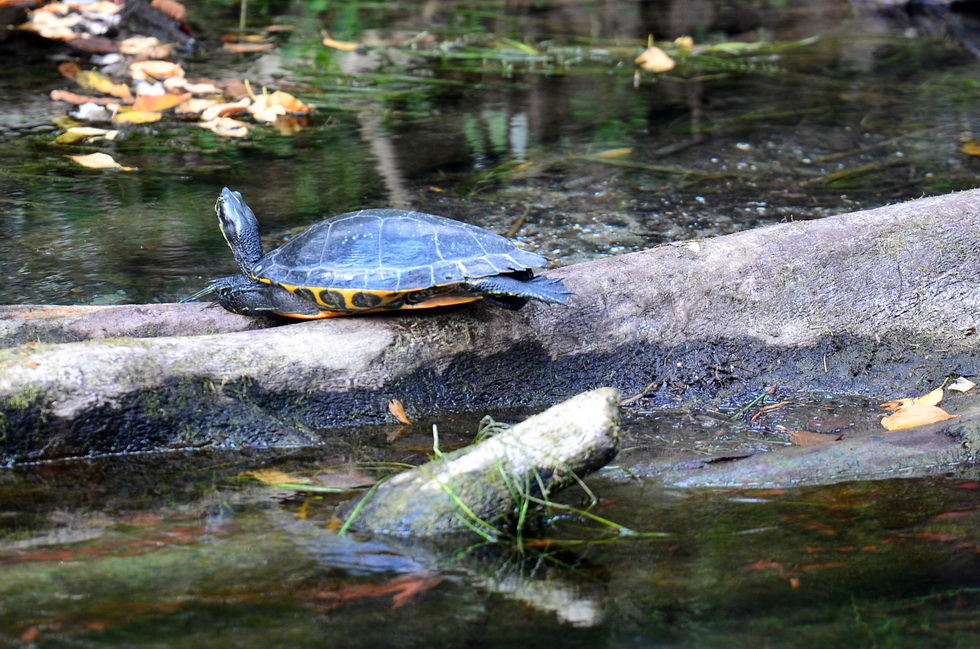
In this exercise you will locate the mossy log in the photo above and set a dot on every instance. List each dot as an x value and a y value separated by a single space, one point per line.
483 483
876 302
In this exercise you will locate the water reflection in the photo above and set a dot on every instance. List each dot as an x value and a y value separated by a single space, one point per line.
513 116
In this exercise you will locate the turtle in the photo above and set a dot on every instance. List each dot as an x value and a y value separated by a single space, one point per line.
374 260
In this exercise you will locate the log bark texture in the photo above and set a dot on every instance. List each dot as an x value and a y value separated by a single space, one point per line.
859 303
478 485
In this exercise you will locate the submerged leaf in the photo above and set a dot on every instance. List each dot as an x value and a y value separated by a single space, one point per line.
272 476
806 438
99 161
655 59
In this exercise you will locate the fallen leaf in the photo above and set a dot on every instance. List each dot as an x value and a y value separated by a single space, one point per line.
171 8
78 100
226 127
68 69
246 48
655 59
92 80
155 103
962 384
686 43
972 147
398 411
268 107
143 70
194 107
99 161
806 438
136 117
273 476
226 109
614 153
198 88
916 414
345 46
930 399
77 134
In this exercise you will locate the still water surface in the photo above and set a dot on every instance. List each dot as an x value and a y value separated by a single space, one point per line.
510 116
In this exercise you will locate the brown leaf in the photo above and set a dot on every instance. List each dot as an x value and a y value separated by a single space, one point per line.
655 59
806 438
916 414
272 476
398 411
99 161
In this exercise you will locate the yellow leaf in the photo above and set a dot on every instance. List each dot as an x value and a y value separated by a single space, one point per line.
398 411
135 117
931 399
77 134
971 147
686 43
345 46
194 107
655 59
97 81
269 107
272 476
99 161
614 153
916 414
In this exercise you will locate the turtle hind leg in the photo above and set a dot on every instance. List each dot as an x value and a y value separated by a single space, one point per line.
513 292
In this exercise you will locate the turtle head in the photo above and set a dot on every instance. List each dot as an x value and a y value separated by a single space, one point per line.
240 228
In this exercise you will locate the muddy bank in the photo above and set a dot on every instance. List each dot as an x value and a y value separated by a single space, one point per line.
875 302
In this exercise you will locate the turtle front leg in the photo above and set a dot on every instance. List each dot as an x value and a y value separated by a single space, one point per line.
246 296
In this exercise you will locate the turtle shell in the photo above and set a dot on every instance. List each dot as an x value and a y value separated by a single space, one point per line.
376 254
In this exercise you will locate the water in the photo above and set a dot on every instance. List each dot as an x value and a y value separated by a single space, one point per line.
499 116
188 549
515 117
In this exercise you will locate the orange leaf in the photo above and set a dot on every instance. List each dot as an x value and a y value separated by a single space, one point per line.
72 98
245 48
154 103
99 161
806 438
398 411
346 46
917 414
655 59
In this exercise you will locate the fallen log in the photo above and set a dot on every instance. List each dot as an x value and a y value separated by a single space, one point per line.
865 303
477 486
